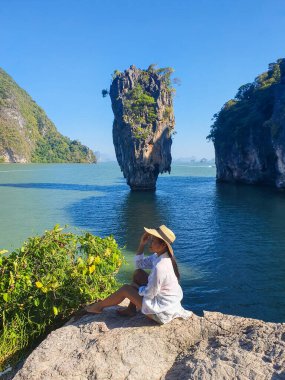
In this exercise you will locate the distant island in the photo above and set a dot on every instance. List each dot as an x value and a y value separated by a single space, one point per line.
249 131
194 161
27 135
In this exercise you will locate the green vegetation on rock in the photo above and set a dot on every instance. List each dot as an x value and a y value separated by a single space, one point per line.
28 135
250 110
140 103
46 280
139 107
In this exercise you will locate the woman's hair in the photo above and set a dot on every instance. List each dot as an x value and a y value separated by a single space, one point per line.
174 263
175 266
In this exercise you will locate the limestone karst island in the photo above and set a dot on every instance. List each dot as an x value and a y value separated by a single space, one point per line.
143 123
28 135
249 132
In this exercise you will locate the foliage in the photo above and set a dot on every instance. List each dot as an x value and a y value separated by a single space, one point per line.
47 279
29 133
141 133
250 110
140 108
177 81
167 112
105 92
165 74
152 68
57 148
115 74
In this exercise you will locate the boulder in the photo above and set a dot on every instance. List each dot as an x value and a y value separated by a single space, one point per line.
108 346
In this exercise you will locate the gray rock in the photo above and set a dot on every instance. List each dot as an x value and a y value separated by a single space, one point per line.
259 157
107 346
142 136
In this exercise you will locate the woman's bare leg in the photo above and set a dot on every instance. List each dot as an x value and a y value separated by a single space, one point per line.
126 291
140 278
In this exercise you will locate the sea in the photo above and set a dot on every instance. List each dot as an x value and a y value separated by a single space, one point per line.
230 243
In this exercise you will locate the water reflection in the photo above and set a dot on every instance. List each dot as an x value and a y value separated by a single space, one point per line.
248 247
139 210
119 213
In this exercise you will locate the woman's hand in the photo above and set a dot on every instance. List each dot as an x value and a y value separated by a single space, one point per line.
143 241
144 238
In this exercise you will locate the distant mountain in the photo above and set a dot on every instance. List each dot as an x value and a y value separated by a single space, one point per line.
193 160
28 135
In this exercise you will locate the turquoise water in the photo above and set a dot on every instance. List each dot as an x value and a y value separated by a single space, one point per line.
230 239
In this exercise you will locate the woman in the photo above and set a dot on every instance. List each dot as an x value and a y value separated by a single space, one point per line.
158 295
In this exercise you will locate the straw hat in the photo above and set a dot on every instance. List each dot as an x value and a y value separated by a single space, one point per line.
163 233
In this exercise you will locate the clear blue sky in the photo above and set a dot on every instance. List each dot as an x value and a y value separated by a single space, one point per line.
62 52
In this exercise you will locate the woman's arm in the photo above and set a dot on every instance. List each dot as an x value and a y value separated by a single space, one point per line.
153 286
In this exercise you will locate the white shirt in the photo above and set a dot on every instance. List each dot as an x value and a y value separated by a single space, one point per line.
162 295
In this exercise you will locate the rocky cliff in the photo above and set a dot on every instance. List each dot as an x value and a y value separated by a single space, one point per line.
28 135
143 124
212 347
249 132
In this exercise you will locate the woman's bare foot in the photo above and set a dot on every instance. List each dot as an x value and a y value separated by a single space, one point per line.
126 312
94 308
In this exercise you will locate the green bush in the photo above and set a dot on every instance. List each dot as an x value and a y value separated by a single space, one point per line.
47 279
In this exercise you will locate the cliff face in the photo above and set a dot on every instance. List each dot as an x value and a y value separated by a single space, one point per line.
28 135
212 347
143 123
249 132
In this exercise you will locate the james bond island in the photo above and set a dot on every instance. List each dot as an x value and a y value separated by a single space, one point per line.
249 132
142 102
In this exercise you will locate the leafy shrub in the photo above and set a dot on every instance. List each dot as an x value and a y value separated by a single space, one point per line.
47 279
115 74
167 112
104 92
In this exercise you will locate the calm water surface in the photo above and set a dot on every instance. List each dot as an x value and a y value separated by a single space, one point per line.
230 239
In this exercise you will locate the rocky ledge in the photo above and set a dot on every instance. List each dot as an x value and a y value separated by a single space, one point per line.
107 346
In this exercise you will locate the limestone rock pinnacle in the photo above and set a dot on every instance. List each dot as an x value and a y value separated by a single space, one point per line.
143 124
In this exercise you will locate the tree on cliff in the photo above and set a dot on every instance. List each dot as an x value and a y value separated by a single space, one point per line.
250 109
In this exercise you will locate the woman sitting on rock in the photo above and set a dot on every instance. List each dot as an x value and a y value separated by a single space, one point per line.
158 295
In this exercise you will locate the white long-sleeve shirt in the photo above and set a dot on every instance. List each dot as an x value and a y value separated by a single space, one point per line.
162 295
